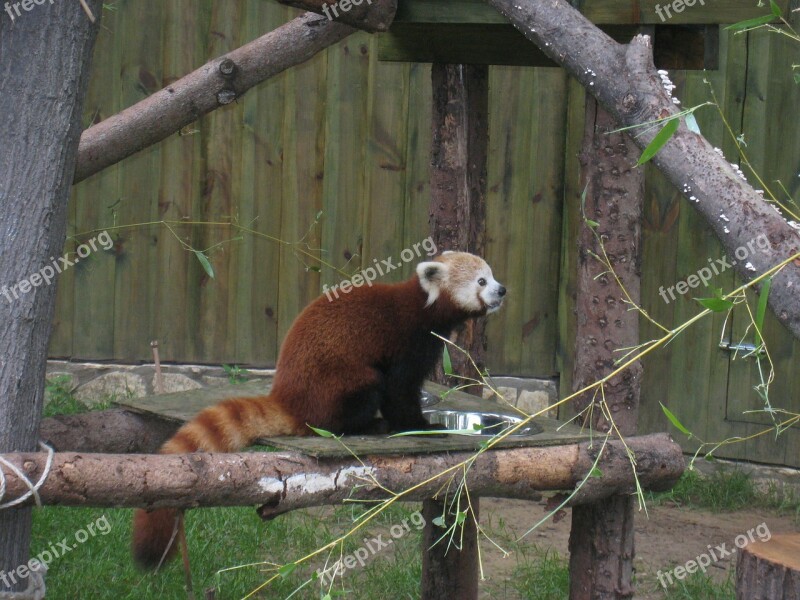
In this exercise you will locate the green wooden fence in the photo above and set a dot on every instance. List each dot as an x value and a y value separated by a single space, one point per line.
327 164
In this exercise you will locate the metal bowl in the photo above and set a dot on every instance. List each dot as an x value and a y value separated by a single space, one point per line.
490 423
428 399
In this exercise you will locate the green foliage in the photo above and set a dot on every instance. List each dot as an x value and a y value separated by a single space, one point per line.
236 374
60 400
699 586
541 575
661 138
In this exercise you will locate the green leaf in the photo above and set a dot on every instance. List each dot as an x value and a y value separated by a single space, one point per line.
674 420
776 10
314 269
461 517
438 521
797 78
287 570
716 304
750 23
204 261
322 432
761 311
691 123
592 224
595 472
661 138
448 366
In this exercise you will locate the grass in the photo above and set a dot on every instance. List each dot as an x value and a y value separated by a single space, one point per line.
699 586
540 574
219 538
728 490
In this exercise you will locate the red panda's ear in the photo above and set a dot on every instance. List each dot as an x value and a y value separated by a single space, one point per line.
432 276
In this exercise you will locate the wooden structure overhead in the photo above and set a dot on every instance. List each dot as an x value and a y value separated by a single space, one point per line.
472 32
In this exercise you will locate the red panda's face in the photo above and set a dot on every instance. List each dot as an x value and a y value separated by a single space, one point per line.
465 278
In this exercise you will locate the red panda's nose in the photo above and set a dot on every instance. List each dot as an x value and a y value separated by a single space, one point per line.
501 291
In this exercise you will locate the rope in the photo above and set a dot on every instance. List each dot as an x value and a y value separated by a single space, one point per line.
33 489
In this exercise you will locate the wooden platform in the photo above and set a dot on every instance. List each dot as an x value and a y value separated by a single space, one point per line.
183 406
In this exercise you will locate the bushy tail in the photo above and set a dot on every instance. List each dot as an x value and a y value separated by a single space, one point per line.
226 427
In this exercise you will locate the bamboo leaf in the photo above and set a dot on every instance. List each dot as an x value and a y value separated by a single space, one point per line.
750 23
446 363
661 138
776 10
321 432
715 304
691 124
205 262
674 420
287 570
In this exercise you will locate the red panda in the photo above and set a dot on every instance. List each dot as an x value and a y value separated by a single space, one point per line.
343 359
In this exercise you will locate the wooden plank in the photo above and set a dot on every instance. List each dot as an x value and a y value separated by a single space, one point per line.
303 174
385 166
345 140
140 39
525 174
260 203
223 179
417 193
571 223
632 12
183 406
176 304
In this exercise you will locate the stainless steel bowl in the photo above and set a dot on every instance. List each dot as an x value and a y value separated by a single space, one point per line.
490 423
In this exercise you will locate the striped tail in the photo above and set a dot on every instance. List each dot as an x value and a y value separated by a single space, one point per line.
226 427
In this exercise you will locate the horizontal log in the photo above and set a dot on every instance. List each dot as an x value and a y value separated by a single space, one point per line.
113 431
284 481
369 15
217 83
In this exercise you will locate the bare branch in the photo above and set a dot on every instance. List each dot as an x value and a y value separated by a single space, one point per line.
625 82
215 84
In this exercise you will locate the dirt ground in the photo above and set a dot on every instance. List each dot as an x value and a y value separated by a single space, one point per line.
670 536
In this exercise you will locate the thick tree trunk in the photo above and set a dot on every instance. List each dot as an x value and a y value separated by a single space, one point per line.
766 570
460 138
213 85
601 538
114 431
44 67
285 481
625 82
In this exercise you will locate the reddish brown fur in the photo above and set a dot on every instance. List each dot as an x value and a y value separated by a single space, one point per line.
341 361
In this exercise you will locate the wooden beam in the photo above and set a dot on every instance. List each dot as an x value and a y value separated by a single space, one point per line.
676 46
285 481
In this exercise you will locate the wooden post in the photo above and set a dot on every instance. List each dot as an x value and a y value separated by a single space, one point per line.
601 538
458 222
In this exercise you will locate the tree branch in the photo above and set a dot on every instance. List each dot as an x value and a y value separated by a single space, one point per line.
285 481
213 85
625 82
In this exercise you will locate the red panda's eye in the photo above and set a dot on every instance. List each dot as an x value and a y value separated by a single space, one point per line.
481 282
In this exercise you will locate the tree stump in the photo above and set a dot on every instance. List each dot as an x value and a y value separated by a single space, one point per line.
769 570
